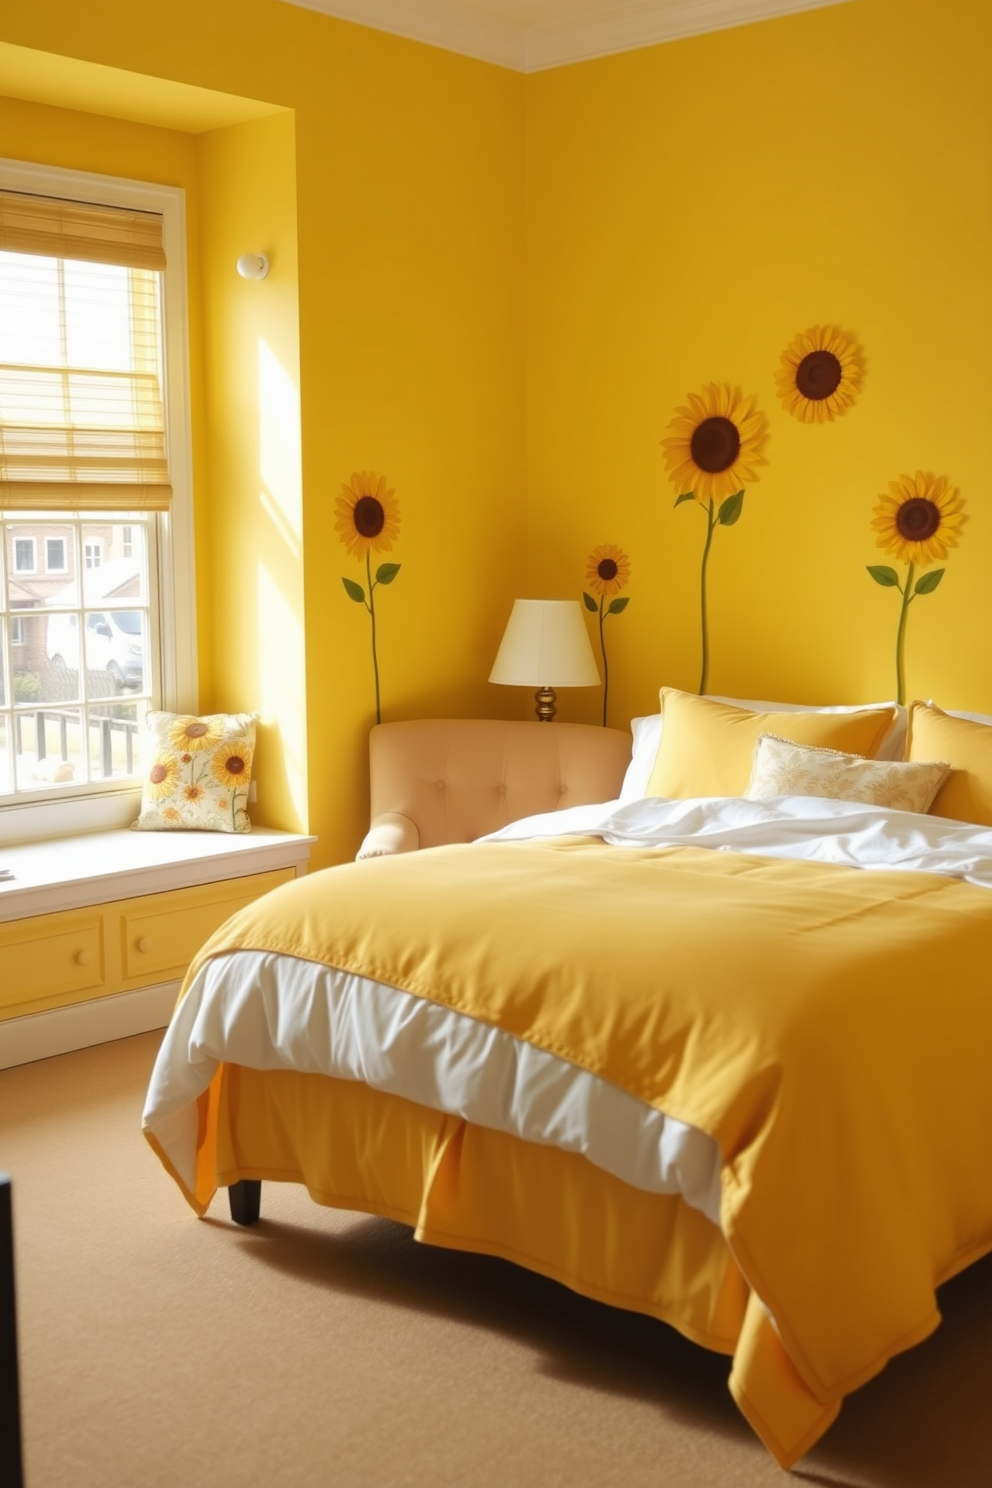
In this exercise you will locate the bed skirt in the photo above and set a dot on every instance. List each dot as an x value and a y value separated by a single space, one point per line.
470 1188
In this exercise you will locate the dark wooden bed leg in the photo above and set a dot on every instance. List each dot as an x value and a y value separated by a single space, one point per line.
11 1469
245 1199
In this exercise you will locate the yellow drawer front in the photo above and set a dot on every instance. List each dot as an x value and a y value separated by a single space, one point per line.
163 932
50 956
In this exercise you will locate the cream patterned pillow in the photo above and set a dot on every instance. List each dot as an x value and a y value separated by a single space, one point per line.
196 772
779 768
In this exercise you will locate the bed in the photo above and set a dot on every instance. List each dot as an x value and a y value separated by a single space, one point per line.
717 1058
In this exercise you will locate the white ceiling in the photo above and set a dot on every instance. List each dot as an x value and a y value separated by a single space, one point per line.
530 35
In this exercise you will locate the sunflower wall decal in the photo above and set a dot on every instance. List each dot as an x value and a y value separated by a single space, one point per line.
607 572
714 450
820 375
918 521
367 521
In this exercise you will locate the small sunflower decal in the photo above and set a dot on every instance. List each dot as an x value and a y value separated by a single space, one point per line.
368 518
918 520
161 777
820 374
716 443
715 448
607 572
232 766
367 521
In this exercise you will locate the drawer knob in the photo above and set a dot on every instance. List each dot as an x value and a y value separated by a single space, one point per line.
143 943
83 958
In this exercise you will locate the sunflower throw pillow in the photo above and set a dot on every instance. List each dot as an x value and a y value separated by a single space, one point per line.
197 772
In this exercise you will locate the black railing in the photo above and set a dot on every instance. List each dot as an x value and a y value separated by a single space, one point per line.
108 727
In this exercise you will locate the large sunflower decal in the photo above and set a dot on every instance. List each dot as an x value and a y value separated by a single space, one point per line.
820 375
714 450
607 572
367 521
918 521
716 443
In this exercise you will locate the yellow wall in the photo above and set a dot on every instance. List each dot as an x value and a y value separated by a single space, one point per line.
251 580
690 209
504 287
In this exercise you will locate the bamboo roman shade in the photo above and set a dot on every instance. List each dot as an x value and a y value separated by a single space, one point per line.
82 419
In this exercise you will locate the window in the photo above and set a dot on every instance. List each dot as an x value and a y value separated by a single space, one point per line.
92 477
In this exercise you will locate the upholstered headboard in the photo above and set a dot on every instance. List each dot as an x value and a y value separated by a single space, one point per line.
438 780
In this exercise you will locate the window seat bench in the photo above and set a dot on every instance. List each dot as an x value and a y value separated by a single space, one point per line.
96 931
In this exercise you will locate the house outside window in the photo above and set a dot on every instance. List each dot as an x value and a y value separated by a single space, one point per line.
92 353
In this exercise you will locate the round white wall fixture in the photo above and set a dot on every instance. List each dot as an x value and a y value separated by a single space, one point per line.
253 265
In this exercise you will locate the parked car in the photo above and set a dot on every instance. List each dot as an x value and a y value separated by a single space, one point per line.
113 642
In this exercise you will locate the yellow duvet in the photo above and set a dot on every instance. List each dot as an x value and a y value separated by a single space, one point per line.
830 1028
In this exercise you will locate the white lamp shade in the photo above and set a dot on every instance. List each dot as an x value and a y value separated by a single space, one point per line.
545 644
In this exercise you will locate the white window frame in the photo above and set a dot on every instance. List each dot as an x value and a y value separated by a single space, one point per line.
92 550
16 630
101 807
50 567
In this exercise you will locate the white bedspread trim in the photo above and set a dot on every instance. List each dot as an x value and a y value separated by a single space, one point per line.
278 1012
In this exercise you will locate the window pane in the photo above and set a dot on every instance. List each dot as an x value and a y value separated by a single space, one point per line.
115 651
97 316
55 554
24 555
108 573
113 740
30 334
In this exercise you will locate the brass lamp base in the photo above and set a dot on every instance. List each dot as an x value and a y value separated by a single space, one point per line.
546 699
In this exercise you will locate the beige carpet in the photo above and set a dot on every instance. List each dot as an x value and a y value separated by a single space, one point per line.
329 1349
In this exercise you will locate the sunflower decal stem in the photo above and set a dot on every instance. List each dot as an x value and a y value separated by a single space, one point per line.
917 521
607 572
715 448
367 521
820 375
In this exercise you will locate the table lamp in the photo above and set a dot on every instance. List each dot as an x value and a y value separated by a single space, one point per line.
545 645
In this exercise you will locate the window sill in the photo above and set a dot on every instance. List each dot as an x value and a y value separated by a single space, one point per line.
75 872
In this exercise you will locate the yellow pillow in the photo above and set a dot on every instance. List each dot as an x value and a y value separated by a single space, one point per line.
197 772
783 769
706 747
934 734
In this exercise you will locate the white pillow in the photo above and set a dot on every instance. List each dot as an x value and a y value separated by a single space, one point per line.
647 736
970 717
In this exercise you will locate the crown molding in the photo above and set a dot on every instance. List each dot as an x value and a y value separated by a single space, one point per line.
494 32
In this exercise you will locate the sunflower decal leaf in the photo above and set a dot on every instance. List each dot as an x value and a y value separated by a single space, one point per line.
367 519
820 374
918 521
607 572
715 447
928 582
731 509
